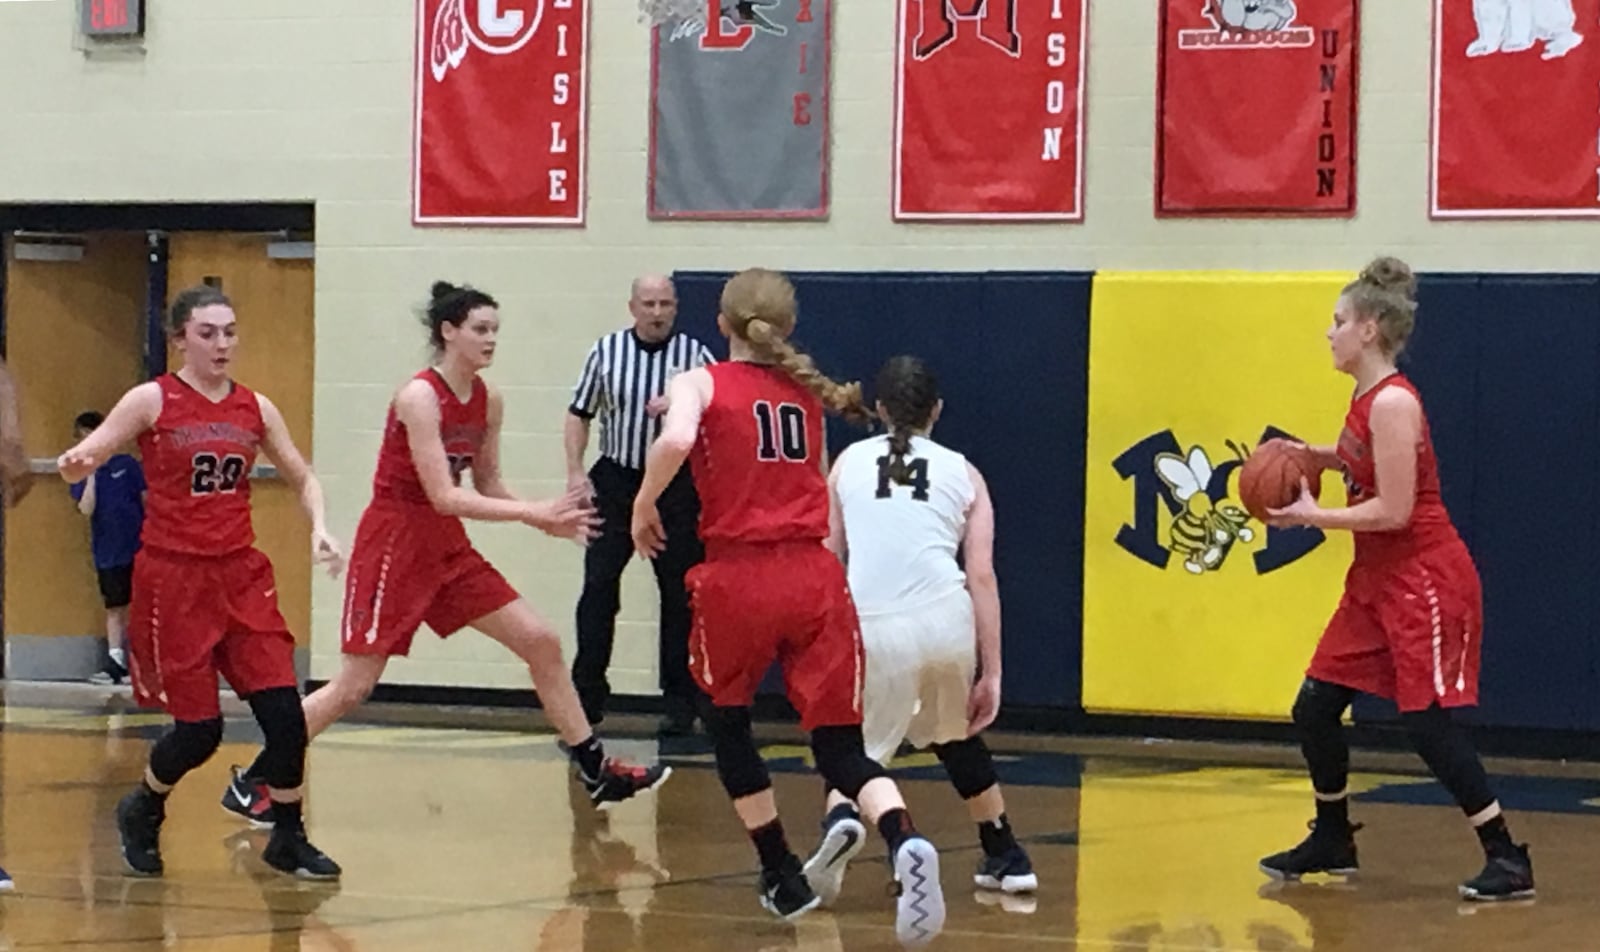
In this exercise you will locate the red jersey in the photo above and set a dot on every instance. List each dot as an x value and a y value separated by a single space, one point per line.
462 426
758 459
197 460
1430 524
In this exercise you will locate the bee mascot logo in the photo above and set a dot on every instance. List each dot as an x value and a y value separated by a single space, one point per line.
1182 507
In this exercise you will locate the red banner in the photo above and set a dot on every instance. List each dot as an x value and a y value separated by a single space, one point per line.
989 110
500 112
1515 118
1256 108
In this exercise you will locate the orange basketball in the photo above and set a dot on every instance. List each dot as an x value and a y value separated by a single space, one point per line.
1270 478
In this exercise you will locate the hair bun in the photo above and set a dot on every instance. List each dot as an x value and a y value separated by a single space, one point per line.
758 331
1391 274
443 289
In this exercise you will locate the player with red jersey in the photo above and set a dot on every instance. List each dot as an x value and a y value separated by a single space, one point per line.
770 588
412 562
204 599
1409 627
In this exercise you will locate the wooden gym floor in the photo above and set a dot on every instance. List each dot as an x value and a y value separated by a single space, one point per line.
473 839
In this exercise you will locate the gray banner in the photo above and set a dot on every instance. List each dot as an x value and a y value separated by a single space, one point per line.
741 122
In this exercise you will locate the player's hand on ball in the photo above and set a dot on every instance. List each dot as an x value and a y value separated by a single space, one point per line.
649 538
983 704
325 552
1314 461
1297 513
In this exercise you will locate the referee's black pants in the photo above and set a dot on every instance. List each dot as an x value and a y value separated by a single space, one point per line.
615 487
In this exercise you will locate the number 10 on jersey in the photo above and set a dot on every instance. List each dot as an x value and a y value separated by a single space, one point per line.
781 432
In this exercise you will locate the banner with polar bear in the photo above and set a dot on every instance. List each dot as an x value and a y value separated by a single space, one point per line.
1515 121
1256 108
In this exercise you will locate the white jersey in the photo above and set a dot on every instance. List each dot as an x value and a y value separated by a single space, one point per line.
903 539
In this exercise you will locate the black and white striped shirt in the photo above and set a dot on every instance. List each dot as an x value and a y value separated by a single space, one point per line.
621 375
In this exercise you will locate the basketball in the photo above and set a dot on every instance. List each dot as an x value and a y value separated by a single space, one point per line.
1270 478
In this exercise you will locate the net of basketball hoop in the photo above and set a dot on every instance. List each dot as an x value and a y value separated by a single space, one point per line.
666 12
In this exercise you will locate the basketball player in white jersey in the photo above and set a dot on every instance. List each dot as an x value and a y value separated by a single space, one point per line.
902 507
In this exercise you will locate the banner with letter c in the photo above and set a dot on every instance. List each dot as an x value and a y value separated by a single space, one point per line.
1190 606
500 112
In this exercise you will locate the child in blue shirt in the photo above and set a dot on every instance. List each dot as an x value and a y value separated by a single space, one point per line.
113 499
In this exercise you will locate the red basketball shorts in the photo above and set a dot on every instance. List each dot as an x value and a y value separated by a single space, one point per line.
1410 631
195 616
784 602
410 566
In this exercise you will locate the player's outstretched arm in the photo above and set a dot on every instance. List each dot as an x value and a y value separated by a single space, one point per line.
1396 432
134 413
571 516
574 442
280 450
977 553
689 394
89 497
836 538
417 406
486 476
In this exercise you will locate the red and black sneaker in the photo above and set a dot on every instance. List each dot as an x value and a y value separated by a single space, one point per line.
1326 850
619 781
246 798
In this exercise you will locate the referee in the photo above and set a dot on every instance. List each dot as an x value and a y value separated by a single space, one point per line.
624 385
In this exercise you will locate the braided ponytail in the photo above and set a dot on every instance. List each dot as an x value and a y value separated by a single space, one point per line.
909 392
760 308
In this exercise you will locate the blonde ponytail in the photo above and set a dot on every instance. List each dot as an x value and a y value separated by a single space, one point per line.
759 306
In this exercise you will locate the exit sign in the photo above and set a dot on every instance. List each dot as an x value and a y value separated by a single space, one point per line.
113 17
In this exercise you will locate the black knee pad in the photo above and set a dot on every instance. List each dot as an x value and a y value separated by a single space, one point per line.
1318 711
1320 704
842 759
1448 752
188 745
969 764
283 724
739 764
